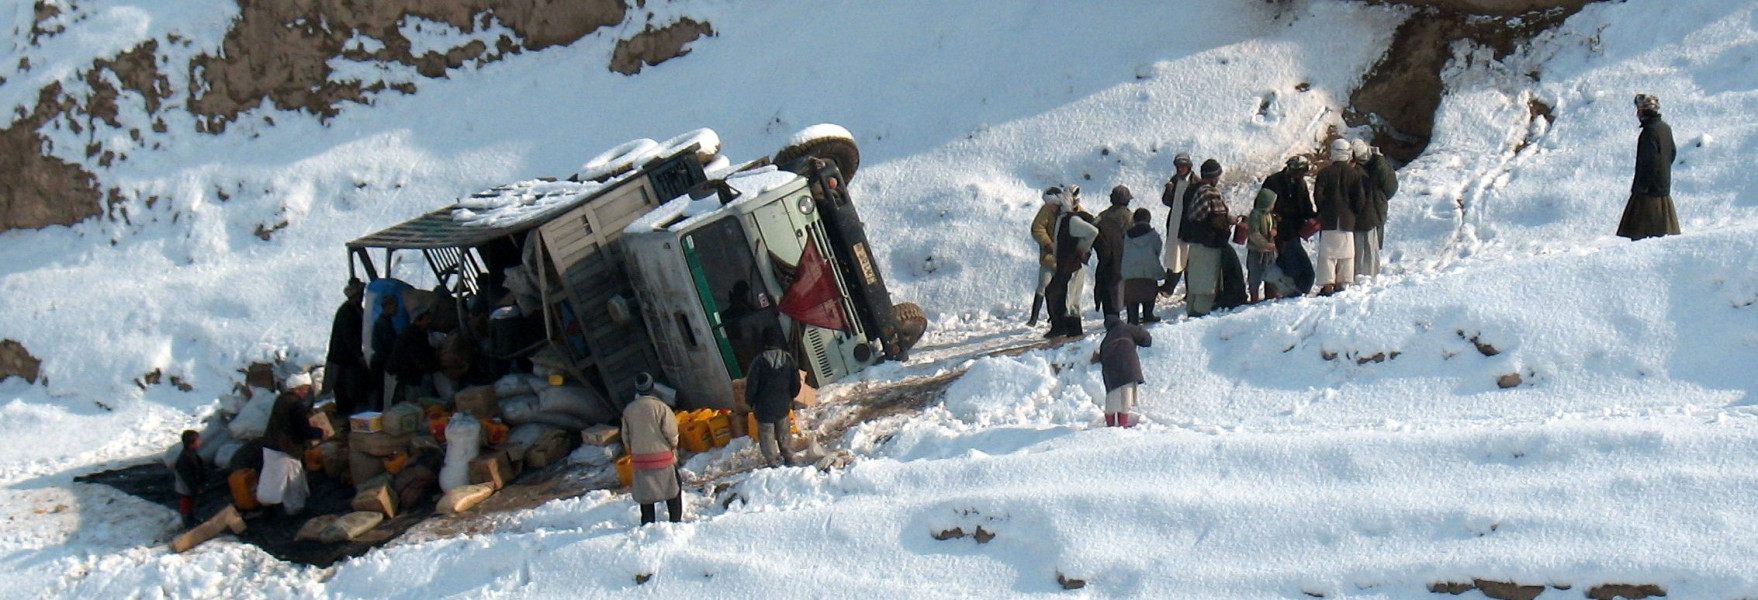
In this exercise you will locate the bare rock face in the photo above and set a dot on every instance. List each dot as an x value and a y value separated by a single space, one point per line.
1404 89
15 361
37 190
1497 7
279 50
277 53
654 46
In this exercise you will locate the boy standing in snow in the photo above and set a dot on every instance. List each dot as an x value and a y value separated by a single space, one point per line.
188 475
1074 234
1121 367
1260 247
650 430
1142 269
1649 212
1042 226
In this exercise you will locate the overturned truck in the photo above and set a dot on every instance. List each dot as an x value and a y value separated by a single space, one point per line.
657 257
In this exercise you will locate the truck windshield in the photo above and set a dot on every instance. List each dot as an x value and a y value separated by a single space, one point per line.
732 291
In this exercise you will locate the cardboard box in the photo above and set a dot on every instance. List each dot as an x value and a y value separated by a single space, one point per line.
462 499
808 396
366 422
403 419
321 421
494 469
377 496
601 435
380 444
481 401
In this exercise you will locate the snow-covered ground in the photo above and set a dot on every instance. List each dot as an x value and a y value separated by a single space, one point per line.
1279 458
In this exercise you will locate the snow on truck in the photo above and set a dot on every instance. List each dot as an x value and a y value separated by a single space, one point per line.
658 257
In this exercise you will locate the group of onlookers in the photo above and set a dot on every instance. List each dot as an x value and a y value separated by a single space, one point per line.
1344 207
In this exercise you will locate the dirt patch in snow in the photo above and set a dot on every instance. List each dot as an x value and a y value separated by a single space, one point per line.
653 46
16 361
36 189
279 52
1402 92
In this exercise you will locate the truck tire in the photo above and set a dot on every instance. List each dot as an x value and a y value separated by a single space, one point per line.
834 148
616 161
911 324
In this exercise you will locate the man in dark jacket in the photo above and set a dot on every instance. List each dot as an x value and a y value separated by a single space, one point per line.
1121 367
413 359
188 476
1649 212
346 373
771 384
1108 277
1379 182
282 480
1338 195
1074 233
384 341
1293 209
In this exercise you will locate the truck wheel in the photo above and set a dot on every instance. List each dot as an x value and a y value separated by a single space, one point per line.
911 324
828 142
617 161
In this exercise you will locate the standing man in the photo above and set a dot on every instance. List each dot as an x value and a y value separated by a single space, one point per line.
384 341
1043 225
1337 191
1074 234
1292 210
1206 228
1108 277
1121 367
1649 213
1177 251
413 360
346 371
1379 182
650 430
771 384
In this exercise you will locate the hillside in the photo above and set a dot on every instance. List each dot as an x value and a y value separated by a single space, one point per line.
1352 446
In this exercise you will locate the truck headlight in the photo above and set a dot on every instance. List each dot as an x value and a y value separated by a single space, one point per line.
806 205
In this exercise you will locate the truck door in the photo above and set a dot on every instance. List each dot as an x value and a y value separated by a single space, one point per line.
731 290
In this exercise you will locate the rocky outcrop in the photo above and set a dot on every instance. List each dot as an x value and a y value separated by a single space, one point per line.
15 361
653 46
279 50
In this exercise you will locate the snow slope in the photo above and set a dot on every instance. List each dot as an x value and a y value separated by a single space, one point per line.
1279 457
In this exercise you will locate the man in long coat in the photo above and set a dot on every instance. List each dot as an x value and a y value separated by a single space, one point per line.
650 431
1649 213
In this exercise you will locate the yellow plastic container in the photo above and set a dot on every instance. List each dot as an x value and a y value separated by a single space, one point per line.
695 435
721 426
626 470
751 425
